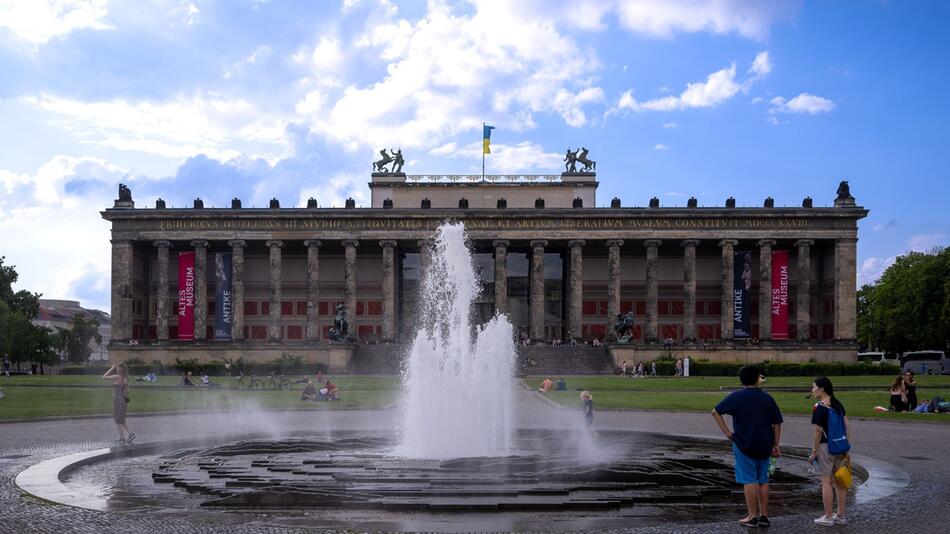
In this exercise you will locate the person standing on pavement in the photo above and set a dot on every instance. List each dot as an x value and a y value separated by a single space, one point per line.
119 375
755 436
828 463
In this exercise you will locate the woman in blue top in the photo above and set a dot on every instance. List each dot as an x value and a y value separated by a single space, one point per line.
824 391
588 401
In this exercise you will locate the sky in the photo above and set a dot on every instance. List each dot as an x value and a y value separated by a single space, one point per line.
272 98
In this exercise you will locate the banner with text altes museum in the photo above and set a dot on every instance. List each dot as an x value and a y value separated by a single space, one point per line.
186 295
741 319
222 311
780 294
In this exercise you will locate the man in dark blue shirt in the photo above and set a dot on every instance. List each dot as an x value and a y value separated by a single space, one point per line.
756 432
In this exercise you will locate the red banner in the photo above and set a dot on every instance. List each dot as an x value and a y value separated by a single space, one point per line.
780 294
186 295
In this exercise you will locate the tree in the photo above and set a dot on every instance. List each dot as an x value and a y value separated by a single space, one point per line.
21 301
74 341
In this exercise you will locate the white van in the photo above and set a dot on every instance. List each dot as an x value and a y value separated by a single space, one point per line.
879 358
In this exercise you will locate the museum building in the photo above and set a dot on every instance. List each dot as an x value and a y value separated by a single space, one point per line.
738 283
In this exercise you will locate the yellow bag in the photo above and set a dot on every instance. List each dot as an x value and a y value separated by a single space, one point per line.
843 477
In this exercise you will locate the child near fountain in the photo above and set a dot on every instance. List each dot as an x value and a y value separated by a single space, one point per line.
588 401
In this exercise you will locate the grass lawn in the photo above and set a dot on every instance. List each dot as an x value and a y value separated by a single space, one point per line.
683 394
27 402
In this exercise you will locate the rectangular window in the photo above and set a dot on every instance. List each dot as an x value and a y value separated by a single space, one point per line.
294 332
664 307
209 332
669 331
677 307
152 332
626 305
603 307
375 307
366 331
258 332
210 308
589 307
301 308
812 331
828 331
641 308
636 331
265 307
250 308
286 308
323 308
360 308
700 308
714 308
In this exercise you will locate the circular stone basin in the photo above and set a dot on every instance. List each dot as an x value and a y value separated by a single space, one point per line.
555 480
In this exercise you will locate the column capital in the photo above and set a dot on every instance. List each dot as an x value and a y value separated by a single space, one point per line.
652 243
237 243
388 243
199 243
539 243
766 242
576 243
501 243
274 243
728 242
350 242
804 242
161 243
846 240
689 243
614 243
312 243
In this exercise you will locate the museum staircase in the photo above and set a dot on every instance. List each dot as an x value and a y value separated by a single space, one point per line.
564 360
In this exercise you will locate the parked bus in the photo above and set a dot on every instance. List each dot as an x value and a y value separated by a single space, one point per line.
925 362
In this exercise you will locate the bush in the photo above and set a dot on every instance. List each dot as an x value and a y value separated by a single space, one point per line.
708 368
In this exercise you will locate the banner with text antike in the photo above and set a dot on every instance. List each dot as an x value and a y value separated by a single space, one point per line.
186 295
222 309
741 320
780 294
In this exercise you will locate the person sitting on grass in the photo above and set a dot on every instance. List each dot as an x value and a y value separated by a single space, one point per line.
546 385
206 381
561 385
309 392
923 407
331 391
147 378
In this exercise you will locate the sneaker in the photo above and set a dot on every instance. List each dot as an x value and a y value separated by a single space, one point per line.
839 519
751 523
825 521
131 437
764 521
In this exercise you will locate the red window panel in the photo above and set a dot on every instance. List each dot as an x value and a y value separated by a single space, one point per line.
265 307
812 331
294 332
152 332
326 331
360 308
324 308
664 307
302 308
713 308
792 331
603 307
375 307
211 308
247 332
250 308
258 332
641 308
365 331
706 331
286 308
828 305
172 332
636 331
626 305
598 331
669 331
209 332
827 331
589 307
677 307
700 308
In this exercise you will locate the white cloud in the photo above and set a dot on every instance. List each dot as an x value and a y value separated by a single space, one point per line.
663 18
444 150
186 12
335 191
39 21
762 65
670 125
504 159
719 87
872 268
803 103
184 126
252 59
660 146
924 242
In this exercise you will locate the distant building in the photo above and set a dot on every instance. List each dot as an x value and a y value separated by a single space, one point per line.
59 314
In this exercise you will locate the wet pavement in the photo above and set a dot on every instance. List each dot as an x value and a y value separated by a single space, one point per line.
913 448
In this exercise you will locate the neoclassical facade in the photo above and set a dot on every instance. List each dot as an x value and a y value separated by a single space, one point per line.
560 266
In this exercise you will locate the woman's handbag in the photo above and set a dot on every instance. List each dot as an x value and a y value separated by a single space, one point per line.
843 476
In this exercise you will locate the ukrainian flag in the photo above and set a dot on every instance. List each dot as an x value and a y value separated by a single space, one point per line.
486 140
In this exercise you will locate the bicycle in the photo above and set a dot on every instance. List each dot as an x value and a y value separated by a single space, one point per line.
249 382
278 382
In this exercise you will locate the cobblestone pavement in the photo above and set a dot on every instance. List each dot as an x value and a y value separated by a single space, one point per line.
914 447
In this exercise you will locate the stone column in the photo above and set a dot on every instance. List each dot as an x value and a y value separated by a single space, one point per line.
161 295
803 302
536 320
846 251
313 289
575 302
389 289
349 283
613 284
237 288
728 297
501 275
425 256
273 327
765 288
201 288
121 290
653 268
689 290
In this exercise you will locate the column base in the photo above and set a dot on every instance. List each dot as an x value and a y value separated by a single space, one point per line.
651 340
689 341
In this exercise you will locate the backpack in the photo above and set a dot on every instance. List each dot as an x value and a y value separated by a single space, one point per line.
837 434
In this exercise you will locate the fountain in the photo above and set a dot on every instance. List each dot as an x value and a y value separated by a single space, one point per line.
458 391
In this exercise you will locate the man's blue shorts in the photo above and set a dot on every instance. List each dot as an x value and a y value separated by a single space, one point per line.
750 470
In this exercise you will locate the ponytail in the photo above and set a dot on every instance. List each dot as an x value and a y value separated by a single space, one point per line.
825 383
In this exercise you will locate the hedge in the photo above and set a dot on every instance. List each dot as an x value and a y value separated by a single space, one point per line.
708 368
212 368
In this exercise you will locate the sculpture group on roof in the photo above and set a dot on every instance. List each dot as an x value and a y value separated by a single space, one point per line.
571 159
394 157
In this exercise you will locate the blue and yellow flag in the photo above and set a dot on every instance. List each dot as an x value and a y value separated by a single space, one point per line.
487 139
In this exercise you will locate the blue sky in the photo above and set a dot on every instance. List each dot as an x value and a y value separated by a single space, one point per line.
256 99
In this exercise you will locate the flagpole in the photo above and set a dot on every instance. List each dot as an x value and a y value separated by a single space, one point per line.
483 152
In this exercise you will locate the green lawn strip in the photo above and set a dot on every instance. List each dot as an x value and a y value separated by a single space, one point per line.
714 383
343 381
857 403
23 402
